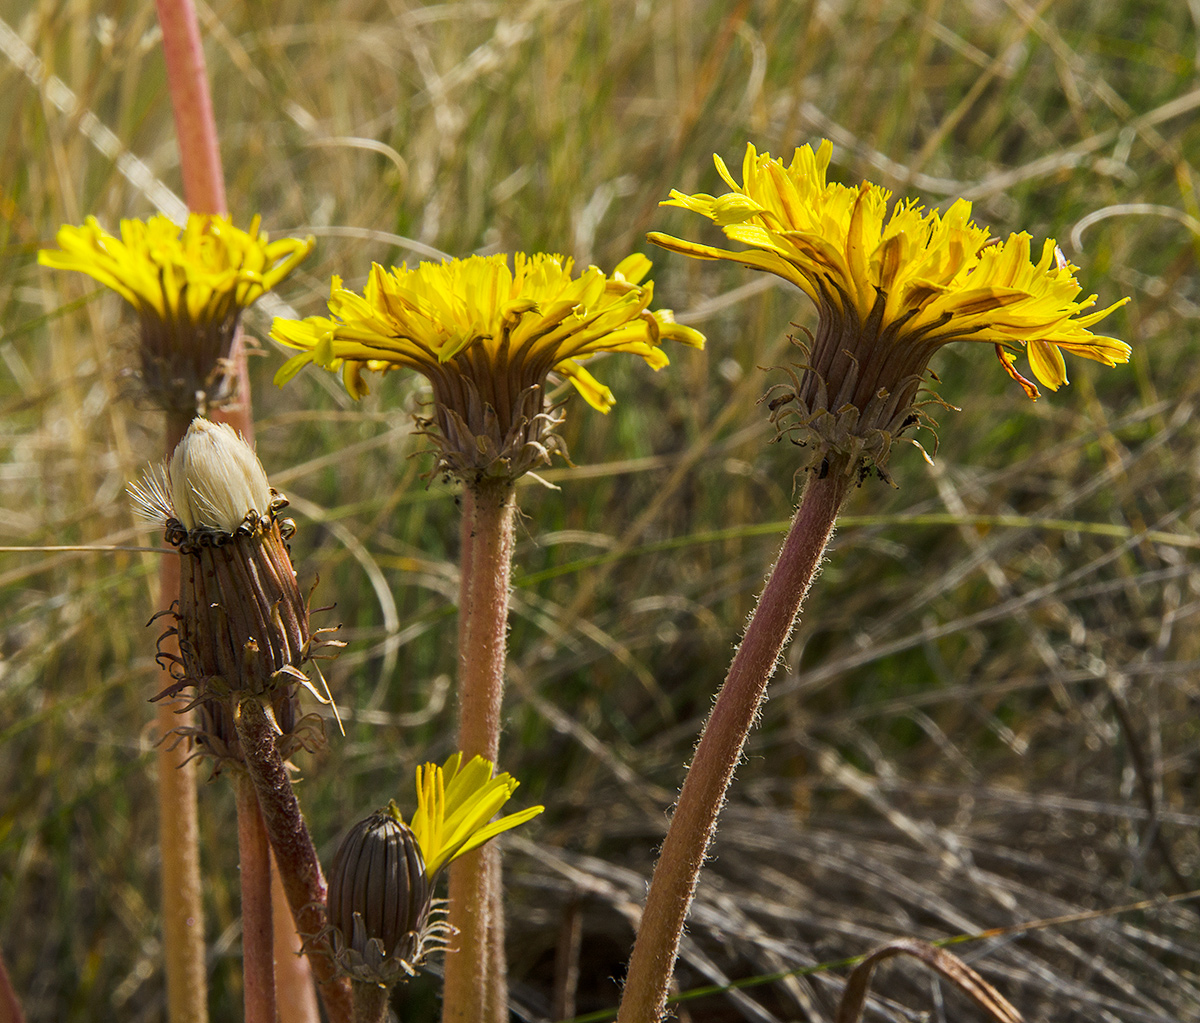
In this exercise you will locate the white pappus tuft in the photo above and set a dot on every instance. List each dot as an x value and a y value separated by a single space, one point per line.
215 479
152 497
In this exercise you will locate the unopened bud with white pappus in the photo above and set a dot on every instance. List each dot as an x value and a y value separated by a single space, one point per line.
216 479
242 622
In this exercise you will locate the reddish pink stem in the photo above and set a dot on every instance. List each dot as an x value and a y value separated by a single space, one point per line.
299 869
10 1005
295 996
204 191
724 737
488 512
254 862
195 127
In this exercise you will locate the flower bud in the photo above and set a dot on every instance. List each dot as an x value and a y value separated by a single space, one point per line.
242 622
243 619
380 900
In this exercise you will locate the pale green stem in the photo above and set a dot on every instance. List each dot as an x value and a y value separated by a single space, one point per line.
695 818
475 989
179 827
254 872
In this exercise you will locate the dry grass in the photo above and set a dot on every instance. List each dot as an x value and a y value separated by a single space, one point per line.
982 720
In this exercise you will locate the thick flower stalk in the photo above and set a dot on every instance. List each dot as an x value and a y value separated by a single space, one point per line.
892 284
382 915
890 290
243 633
188 287
487 336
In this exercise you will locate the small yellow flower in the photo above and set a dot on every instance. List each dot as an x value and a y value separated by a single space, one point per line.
455 806
188 286
487 336
892 285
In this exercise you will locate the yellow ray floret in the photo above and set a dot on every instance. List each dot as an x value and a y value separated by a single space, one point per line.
455 806
523 322
206 269
943 278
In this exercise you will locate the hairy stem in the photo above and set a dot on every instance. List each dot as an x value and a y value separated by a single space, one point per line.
475 988
295 855
191 101
370 1003
720 749
204 191
254 866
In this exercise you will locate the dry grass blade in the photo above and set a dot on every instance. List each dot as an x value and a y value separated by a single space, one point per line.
949 966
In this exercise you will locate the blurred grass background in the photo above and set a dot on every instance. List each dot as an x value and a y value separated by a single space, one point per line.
988 713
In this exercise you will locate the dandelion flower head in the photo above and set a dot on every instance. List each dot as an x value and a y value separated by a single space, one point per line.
487 336
455 806
382 914
188 286
892 283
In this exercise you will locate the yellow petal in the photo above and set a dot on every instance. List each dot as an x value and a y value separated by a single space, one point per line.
1047 364
594 392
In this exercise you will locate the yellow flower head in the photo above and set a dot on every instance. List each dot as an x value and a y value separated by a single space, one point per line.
455 807
487 336
188 286
892 284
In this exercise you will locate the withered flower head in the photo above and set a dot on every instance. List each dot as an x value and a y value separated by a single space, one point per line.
487 337
892 284
242 623
188 287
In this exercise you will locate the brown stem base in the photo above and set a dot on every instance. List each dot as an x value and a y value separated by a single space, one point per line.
370 1003
295 855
